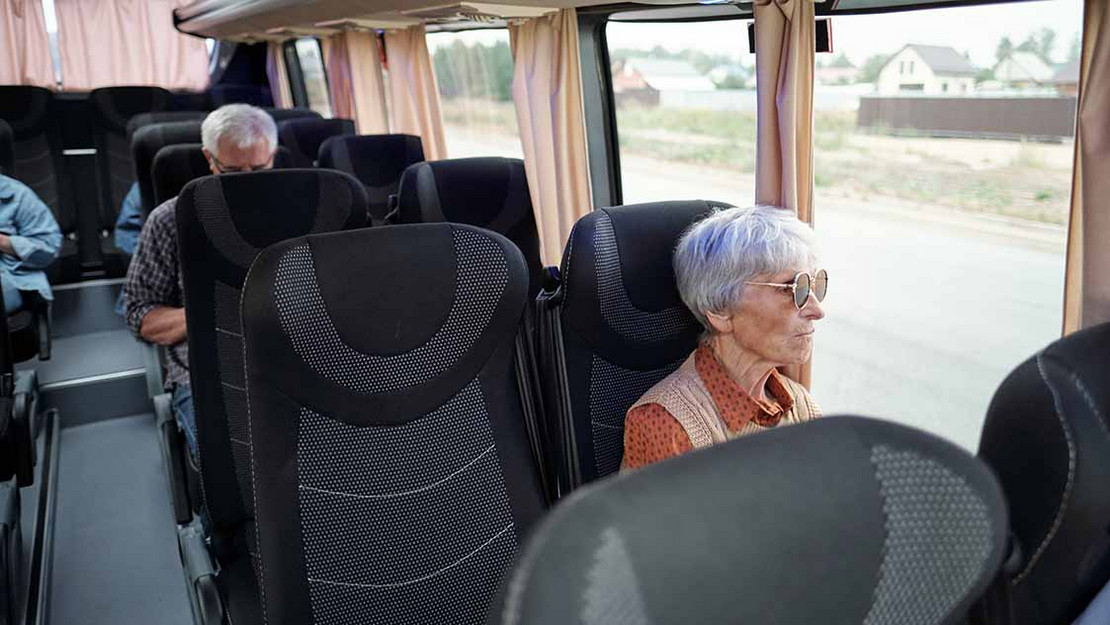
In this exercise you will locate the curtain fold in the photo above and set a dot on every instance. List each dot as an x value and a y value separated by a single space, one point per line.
547 92
278 75
127 42
354 68
414 96
24 45
1087 282
785 40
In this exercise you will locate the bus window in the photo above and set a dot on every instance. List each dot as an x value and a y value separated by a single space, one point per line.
315 81
474 72
685 110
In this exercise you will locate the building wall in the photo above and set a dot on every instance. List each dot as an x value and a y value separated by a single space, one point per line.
907 74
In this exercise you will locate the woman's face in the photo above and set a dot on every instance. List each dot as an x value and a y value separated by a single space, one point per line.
767 324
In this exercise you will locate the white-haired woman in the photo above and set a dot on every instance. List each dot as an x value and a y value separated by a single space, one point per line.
750 276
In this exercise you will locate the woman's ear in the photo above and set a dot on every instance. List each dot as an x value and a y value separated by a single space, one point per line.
722 324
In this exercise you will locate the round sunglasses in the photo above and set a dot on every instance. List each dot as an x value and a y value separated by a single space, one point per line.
803 285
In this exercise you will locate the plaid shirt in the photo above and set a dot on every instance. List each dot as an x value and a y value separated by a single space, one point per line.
154 279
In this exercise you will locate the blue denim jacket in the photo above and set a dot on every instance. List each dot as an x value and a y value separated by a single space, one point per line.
35 237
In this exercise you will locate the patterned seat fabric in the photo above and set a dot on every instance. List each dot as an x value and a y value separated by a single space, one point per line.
1047 437
490 192
223 222
393 474
377 161
303 136
842 520
615 326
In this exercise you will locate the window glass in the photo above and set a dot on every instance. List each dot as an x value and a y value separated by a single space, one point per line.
315 80
474 71
51 19
685 110
941 199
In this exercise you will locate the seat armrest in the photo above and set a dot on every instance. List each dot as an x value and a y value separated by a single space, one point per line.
173 452
201 573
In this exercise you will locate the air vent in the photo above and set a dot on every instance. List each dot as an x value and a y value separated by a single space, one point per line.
473 12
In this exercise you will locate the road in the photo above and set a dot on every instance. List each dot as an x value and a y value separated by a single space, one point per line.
927 311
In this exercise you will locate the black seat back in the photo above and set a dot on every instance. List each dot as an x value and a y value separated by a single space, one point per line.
147 142
222 224
489 192
37 152
303 136
377 161
177 165
393 475
842 520
615 327
112 109
256 95
7 150
161 117
281 115
1047 436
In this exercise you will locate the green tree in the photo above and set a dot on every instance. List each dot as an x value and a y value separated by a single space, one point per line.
1046 43
1073 49
872 67
1005 47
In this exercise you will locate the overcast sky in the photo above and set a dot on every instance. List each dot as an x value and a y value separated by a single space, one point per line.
976 30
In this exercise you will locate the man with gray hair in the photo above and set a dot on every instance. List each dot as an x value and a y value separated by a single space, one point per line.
237 138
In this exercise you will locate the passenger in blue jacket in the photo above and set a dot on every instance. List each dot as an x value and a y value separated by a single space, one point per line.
29 242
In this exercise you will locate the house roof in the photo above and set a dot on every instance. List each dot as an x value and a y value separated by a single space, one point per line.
943 60
1068 73
671 75
1021 65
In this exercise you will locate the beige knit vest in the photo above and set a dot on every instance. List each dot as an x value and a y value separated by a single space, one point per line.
684 395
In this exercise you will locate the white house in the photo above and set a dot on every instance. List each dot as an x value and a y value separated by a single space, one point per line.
926 70
1023 68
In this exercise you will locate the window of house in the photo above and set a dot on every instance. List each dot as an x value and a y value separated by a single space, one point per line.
474 71
315 79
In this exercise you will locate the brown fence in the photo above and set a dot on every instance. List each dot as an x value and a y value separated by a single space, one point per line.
1042 118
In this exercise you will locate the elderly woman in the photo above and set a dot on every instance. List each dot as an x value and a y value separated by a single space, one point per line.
750 277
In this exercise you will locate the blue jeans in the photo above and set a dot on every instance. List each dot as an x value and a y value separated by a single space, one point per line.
12 299
186 418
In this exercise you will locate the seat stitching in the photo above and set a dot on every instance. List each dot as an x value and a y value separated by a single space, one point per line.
412 491
418 579
1099 416
1066 496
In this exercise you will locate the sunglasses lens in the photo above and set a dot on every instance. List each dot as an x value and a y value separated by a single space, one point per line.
801 289
820 285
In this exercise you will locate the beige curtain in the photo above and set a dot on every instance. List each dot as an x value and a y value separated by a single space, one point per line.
414 96
127 42
1087 290
547 91
24 45
785 41
354 67
278 75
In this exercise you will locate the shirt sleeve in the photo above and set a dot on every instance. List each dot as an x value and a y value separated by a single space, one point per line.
152 276
37 238
130 221
652 434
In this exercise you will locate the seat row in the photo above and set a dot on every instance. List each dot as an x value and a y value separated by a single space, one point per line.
378 441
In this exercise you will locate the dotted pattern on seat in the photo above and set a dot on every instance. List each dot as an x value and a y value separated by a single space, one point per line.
612 595
938 538
482 275
404 524
612 391
616 308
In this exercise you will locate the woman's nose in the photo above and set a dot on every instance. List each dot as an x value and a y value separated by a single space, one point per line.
813 310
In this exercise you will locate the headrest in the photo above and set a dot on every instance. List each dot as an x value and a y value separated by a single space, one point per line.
177 165
283 114
162 117
147 142
26 109
1047 436
476 191
619 283
7 149
114 106
303 136
376 160
246 94
840 520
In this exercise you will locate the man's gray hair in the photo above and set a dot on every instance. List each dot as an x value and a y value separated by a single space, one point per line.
241 124
716 255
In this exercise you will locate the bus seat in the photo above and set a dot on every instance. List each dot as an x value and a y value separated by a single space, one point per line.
7 150
612 328
222 223
177 165
393 474
377 161
255 95
842 520
161 117
490 192
1048 439
281 115
145 145
304 135
37 152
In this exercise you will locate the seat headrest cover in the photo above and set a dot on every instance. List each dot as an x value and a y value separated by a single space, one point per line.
446 191
283 114
25 108
1047 436
840 520
114 106
304 135
7 149
162 117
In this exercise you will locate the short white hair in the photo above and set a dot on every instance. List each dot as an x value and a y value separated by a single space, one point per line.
241 124
719 253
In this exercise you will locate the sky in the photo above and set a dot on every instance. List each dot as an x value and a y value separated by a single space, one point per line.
976 30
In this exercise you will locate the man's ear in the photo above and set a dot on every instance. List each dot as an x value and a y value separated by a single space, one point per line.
721 323
211 164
